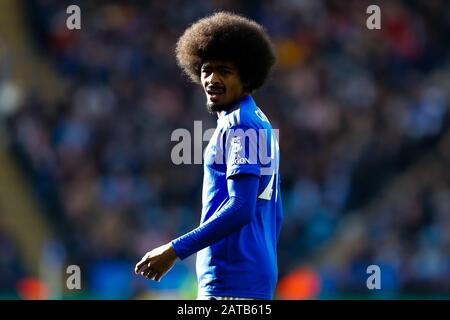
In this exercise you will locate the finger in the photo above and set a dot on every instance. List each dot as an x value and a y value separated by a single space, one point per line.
140 264
138 269
145 269
146 273
151 275
158 277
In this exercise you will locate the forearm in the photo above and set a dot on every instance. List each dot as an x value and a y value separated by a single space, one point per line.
237 212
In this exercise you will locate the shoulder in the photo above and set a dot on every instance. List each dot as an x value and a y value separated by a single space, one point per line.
248 115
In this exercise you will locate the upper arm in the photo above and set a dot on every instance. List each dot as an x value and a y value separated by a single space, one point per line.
243 185
241 151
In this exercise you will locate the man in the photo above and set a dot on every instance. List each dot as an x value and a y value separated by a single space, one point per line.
231 56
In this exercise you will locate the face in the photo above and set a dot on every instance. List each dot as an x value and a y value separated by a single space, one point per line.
222 85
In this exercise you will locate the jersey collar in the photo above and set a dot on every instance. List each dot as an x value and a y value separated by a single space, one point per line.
238 105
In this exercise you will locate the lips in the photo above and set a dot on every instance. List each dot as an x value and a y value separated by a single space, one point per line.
215 92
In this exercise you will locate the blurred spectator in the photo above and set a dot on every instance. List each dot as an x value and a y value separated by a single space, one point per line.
11 266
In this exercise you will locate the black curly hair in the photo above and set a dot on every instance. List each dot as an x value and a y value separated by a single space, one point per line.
229 37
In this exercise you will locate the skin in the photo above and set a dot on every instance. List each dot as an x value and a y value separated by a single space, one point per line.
223 87
156 263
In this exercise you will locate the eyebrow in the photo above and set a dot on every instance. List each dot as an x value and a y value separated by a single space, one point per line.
221 66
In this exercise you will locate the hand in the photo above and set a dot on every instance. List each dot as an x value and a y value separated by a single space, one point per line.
156 263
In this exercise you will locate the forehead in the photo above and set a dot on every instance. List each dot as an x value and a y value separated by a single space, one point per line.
218 64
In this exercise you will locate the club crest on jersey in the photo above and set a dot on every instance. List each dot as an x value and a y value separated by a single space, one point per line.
236 145
236 148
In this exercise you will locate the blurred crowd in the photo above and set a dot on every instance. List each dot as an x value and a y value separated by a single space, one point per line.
358 111
11 265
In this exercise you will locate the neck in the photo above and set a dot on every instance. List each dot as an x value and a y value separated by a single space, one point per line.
231 106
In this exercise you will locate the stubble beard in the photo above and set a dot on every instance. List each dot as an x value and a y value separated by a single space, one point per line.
213 108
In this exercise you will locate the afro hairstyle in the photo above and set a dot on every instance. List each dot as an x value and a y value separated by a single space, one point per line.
228 37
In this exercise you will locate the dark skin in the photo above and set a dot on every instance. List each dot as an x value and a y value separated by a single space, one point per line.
223 87
156 263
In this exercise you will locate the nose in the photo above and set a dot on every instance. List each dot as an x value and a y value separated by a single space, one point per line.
213 78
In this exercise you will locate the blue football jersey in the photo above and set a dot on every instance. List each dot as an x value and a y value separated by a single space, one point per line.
244 264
